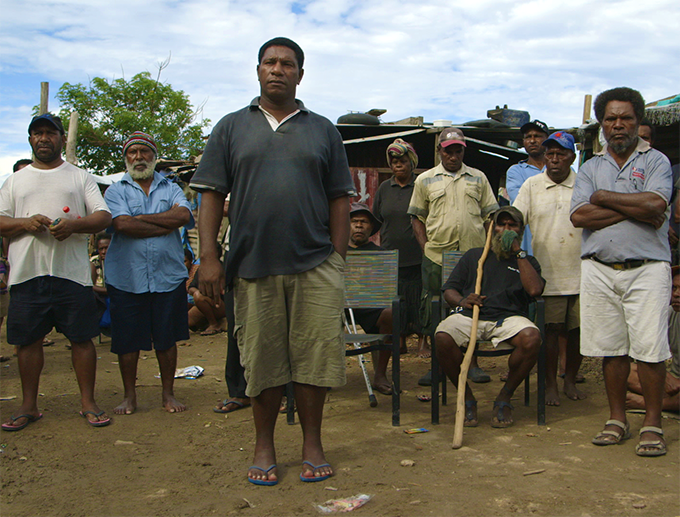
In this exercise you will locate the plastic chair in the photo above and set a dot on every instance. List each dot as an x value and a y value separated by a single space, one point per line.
371 280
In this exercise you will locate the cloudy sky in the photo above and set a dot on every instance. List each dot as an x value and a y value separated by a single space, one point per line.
431 58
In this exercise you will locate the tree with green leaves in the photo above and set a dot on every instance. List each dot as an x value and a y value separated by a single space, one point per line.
109 110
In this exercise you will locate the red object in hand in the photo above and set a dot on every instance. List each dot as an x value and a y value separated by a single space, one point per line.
66 210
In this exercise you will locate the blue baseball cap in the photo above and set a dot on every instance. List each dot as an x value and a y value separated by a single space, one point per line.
47 117
563 139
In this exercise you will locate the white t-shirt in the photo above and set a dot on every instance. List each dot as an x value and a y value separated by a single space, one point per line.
32 191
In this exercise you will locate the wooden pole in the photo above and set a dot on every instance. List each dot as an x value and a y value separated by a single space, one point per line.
587 104
44 96
462 378
72 139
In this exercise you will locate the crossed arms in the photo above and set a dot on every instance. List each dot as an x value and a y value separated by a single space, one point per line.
152 225
607 208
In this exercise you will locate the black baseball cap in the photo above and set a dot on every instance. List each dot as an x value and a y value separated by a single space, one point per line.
48 117
535 124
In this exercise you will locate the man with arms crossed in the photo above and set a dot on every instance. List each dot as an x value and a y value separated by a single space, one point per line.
145 271
50 281
621 201
287 172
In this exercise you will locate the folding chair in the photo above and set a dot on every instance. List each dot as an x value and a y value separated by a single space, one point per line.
440 310
370 283
351 328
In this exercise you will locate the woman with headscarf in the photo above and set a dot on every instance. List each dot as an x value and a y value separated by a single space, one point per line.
390 204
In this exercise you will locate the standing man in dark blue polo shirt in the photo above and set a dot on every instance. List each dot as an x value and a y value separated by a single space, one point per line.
145 271
287 172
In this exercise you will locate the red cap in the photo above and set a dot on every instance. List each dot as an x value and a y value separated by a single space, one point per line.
451 135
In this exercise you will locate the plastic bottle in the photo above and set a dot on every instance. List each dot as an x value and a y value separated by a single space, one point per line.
66 215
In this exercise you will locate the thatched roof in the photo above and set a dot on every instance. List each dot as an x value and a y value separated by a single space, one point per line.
664 112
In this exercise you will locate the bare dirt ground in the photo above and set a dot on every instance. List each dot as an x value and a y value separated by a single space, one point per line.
194 463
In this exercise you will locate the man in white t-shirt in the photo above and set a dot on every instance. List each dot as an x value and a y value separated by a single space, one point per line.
48 209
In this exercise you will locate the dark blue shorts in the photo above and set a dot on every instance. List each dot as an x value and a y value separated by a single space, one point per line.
46 302
139 321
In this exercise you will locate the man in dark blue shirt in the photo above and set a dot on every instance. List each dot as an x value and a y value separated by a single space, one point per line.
287 172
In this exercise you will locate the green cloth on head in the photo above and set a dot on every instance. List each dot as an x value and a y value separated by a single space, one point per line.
507 238
400 148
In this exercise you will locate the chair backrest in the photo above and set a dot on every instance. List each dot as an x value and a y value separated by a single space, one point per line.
449 261
371 278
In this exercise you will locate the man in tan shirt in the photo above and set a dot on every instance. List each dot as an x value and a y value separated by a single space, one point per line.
448 207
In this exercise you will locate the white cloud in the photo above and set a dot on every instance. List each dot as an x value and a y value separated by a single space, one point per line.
436 58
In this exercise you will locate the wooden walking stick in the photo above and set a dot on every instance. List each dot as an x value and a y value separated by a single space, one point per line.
462 378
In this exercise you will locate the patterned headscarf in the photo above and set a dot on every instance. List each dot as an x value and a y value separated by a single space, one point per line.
401 147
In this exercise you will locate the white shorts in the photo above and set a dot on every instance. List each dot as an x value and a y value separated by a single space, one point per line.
625 312
459 327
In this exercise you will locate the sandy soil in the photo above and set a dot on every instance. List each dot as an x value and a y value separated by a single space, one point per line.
194 463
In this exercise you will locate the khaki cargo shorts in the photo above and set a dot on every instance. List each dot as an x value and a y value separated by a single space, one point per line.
289 327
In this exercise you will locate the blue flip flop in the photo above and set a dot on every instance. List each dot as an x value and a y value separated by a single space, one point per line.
262 481
314 479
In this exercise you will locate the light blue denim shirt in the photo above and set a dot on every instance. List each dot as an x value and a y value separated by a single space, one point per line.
514 179
152 264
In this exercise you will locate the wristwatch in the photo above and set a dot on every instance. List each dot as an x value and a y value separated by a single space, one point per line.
521 254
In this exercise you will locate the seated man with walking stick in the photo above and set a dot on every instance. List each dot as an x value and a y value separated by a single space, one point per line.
510 280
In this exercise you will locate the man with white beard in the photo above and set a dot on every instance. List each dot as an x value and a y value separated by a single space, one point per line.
145 272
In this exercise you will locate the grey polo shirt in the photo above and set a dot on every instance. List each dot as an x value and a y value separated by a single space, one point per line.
280 183
647 170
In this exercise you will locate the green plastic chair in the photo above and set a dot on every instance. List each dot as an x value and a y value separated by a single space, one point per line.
371 280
